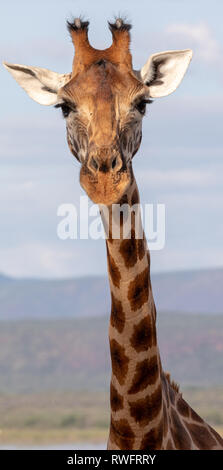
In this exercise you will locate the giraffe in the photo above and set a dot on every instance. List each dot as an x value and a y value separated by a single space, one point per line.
103 101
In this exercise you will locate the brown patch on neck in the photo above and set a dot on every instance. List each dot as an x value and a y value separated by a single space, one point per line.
143 336
217 437
153 439
113 270
135 197
169 445
146 409
138 290
180 436
117 314
119 361
146 373
123 200
122 434
128 250
132 249
116 399
183 408
141 248
201 436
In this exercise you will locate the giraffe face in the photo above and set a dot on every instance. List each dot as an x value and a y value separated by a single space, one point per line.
103 108
103 101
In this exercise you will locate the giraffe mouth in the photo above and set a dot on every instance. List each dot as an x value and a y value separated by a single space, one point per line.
105 188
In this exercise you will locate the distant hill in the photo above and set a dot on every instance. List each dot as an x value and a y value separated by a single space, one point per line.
33 298
3 278
186 291
189 291
72 354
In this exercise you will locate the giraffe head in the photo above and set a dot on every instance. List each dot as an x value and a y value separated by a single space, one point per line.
103 102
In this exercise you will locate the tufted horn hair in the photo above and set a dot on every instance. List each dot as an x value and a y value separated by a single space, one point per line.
85 55
121 42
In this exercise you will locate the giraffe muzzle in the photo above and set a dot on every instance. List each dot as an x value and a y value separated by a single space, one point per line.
112 163
105 177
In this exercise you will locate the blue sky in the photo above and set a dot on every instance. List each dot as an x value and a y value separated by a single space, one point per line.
180 162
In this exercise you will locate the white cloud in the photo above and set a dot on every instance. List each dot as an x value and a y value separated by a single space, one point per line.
201 37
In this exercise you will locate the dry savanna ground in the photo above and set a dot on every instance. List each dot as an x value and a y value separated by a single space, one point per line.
51 418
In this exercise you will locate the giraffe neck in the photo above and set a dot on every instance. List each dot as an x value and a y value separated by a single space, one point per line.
136 392
147 410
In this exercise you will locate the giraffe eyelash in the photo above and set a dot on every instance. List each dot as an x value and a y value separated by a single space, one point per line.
140 105
66 108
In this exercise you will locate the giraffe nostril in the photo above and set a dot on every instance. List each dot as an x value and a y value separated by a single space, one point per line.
104 163
94 164
114 163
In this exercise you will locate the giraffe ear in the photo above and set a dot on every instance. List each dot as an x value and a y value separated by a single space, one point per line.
164 71
41 84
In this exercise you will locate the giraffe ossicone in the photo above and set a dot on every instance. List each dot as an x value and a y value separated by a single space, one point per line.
103 101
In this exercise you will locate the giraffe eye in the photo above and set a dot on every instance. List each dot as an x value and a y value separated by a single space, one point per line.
66 108
141 106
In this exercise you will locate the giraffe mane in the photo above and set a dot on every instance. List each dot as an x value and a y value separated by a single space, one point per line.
172 383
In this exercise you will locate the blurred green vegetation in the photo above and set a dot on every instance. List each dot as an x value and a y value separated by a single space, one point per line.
73 354
76 416
55 375
54 417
